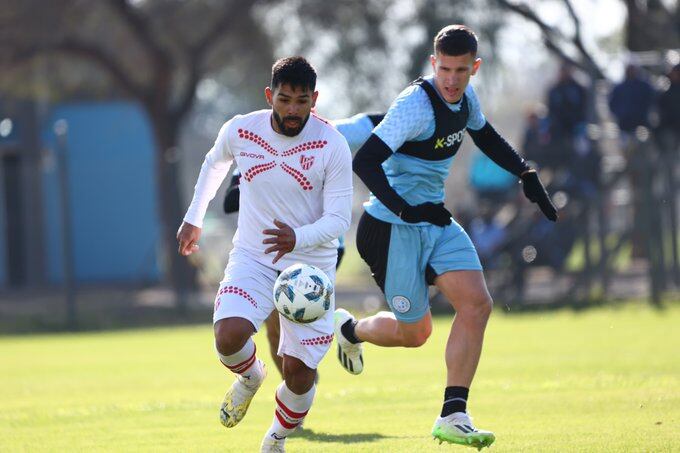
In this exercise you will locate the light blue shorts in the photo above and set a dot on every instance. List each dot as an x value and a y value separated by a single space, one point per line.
405 259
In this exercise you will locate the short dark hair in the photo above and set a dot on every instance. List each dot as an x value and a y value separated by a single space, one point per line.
455 40
295 71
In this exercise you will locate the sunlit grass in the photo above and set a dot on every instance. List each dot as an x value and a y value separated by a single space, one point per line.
601 380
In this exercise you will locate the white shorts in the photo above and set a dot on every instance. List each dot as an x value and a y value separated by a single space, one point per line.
246 292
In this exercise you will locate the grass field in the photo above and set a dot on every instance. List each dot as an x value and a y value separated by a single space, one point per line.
601 380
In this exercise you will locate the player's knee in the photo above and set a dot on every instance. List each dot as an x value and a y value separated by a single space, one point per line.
478 310
298 376
417 339
485 307
293 368
231 334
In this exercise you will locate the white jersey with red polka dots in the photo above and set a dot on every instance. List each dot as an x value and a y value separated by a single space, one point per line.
304 181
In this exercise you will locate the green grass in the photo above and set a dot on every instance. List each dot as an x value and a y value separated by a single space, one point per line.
602 380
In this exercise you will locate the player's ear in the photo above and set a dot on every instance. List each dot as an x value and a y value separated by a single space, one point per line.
433 61
476 65
269 96
315 95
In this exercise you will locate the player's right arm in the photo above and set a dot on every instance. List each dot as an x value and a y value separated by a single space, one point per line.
213 171
405 120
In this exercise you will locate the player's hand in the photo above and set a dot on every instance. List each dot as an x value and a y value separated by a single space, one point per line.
434 213
188 236
283 240
536 193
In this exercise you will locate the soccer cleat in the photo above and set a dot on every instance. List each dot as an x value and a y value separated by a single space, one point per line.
239 396
349 354
272 445
457 428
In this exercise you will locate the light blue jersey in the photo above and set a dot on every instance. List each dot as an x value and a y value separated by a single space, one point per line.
356 130
411 118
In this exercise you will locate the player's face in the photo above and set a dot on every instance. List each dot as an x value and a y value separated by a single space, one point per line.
291 107
452 74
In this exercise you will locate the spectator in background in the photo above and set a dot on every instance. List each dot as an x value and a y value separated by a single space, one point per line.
632 100
669 112
489 181
536 139
569 151
488 234
567 106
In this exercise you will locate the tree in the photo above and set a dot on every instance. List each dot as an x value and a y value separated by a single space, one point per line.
652 25
153 51
569 48
373 48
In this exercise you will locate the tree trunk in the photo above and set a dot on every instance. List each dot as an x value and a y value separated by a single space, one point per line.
651 26
178 269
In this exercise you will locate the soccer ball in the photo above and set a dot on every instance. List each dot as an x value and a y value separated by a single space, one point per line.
303 293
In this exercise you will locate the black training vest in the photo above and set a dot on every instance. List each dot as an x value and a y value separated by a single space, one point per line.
449 128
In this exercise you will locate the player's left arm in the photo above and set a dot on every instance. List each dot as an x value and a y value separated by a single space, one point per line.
504 155
357 128
337 208
337 199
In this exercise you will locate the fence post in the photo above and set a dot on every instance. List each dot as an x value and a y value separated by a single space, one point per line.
61 132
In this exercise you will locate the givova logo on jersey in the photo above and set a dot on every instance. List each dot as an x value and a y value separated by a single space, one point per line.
449 140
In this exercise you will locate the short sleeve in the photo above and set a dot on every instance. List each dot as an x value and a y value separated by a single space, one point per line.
407 118
356 130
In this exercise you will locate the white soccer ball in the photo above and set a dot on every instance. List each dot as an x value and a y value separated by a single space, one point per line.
303 293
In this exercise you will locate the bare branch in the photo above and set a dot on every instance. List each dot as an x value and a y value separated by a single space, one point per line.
195 54
189 95
554 48
574 17
141 27
86 52
578 40
219 28
526 12
551 36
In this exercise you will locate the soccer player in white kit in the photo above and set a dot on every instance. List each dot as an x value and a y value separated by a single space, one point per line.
296 192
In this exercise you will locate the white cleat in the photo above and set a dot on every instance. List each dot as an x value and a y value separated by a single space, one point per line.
457 428
349 354
238 397
271 445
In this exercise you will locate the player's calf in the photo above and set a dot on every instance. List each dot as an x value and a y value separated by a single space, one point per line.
250 373
290 412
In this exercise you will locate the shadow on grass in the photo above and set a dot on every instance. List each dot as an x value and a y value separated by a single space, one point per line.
342 438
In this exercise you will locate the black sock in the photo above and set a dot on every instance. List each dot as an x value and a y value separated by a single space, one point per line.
347 330
455 400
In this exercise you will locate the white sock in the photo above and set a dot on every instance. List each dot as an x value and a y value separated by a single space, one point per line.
291 409
245 363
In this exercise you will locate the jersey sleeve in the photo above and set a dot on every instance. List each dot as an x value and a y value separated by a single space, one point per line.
407 118
356 130
337 200
213 171
476 119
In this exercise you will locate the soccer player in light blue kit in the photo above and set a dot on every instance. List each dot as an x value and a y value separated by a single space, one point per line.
407 236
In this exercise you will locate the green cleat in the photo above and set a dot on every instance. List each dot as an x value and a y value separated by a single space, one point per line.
457 428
